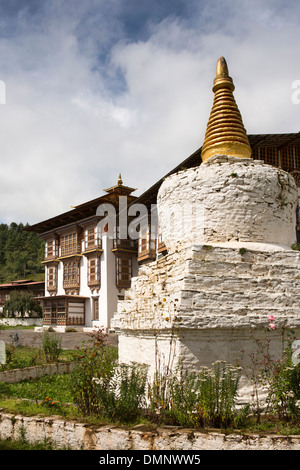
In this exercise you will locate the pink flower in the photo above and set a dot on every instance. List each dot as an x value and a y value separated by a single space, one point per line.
272 326
271 318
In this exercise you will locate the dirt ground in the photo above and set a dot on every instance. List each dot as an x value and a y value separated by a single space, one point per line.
69 340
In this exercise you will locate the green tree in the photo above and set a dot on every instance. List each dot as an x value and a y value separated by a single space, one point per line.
21 253
22 302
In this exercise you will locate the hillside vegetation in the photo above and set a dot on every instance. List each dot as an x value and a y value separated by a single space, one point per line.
21 253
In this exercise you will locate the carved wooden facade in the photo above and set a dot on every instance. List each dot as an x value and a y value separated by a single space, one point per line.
77 263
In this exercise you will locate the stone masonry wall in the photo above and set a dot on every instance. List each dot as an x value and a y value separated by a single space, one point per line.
16 375
79 436
212 301
209 287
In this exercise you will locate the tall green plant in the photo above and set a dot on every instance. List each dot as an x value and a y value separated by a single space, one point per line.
206 397
51 347
284 386
218 392
123 399
97 360
184 398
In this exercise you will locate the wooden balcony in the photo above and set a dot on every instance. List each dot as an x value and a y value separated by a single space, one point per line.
71 284
127 244
70 251
92 246
51 257
161 247
52 288
147 255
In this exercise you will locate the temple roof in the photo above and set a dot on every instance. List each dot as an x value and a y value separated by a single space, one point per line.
85 210
280 141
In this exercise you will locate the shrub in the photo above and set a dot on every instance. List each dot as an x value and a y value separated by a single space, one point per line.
184 398
284 387
217 394
95 361
51 347
123 397
204 398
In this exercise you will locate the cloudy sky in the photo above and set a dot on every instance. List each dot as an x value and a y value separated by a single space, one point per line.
98 87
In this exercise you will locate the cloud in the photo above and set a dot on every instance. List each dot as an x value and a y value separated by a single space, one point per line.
94 90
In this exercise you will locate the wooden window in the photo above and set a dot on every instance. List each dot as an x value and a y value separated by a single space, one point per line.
69 244
76 313
161 247
143 243
123 271
90 238
50 312
267 154
71 274
297 156
96 308
51 248
51 278
94 271
147 245
287 158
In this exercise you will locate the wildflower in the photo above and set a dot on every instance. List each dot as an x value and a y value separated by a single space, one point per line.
272 326
271 318
167 318
164 300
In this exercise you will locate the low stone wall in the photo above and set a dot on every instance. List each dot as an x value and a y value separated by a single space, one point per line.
21 321
79 436
16 375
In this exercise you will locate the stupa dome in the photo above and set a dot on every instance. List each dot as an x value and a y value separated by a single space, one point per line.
230 197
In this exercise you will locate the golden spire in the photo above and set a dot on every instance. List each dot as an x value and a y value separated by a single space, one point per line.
120 182
225 132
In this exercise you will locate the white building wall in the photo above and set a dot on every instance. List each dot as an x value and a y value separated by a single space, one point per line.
85 290
60 273
108 293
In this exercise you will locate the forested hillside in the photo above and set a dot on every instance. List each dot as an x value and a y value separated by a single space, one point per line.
21 253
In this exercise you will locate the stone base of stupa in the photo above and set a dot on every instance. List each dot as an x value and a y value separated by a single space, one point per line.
228 226
206 303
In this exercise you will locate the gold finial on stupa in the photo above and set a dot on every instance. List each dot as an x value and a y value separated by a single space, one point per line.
225 132
120 182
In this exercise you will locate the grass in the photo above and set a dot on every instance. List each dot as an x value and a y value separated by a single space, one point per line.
22 444
24 356
56 386
52 395
29 398
17 327
35 396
